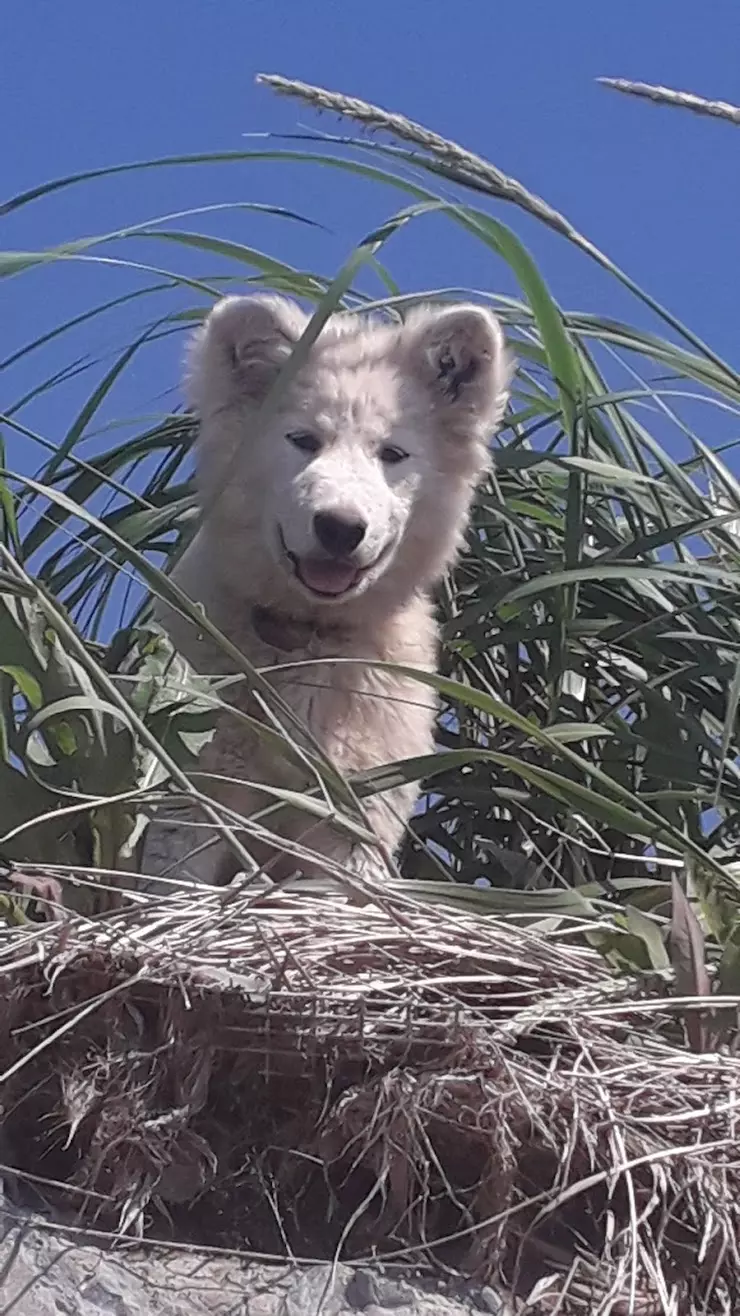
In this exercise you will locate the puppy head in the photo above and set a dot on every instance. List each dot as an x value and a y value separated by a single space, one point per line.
360 481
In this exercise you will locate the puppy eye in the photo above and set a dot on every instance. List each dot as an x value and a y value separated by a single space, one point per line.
391 456
304 441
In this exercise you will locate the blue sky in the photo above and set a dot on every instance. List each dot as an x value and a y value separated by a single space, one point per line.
92 84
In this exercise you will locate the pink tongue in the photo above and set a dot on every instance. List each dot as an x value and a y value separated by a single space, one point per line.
327 577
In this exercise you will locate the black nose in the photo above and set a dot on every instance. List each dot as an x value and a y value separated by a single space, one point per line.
339 533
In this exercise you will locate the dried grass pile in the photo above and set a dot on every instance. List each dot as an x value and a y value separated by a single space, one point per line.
300 1075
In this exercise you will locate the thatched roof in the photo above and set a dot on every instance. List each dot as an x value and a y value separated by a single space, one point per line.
300 1075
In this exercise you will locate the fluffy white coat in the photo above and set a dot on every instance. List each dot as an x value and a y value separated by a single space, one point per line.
324 531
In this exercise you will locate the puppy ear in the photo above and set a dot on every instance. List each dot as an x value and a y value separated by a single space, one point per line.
239 350
462 359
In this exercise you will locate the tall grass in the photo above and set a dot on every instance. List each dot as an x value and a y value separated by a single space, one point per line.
591 671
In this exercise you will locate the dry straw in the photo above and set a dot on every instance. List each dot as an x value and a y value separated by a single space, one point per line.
292 1075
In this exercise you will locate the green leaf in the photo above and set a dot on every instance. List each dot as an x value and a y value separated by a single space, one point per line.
688 956
25 682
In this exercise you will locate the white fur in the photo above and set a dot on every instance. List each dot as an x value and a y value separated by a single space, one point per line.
433 389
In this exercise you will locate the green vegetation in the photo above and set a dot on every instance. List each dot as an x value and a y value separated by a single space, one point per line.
592 665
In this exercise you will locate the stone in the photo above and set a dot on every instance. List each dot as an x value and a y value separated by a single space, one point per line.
52 1271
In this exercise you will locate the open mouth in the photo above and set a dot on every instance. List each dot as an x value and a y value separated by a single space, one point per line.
329 578
325 576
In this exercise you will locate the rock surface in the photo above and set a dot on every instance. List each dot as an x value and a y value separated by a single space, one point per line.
50 1272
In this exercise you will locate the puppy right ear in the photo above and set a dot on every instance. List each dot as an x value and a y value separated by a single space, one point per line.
238 351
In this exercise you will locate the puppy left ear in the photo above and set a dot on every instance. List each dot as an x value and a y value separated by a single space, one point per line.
461 356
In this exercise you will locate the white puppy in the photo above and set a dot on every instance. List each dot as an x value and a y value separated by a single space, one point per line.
324 532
